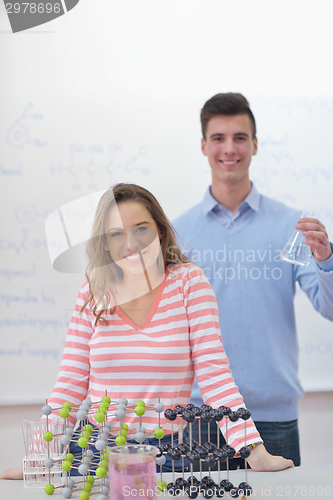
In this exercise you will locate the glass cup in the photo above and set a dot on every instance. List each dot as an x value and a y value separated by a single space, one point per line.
132 472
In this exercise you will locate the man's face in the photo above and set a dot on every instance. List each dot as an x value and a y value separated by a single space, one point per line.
229 147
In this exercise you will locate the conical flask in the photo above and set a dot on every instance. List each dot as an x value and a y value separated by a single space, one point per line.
296 251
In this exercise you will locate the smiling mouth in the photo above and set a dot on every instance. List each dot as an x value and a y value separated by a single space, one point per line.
229 163
135 257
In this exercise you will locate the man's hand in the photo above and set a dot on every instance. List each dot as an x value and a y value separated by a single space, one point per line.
261 461
316 237
15 473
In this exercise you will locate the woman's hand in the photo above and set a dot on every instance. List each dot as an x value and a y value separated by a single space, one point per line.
14 473
262 461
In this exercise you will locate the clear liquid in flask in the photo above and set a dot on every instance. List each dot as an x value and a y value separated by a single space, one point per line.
296 251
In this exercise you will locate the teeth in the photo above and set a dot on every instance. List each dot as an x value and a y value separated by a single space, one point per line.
134 257
229 162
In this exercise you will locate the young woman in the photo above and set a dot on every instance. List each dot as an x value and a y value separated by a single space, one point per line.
145 322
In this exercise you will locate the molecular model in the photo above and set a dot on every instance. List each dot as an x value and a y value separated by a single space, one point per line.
207 453
93 442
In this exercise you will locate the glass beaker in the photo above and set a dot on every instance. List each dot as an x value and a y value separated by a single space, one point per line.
132 471
296 251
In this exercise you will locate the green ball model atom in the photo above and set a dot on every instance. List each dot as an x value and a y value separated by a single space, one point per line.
66 465
107 399
64 413
159 433
47 436
87 487
120 440
100 416
103 463
100 472
82 441
49 489
122 432
161 485
140 410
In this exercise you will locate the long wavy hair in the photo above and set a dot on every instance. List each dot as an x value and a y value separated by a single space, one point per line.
102 270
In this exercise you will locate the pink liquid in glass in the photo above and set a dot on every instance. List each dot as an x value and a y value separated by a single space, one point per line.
133 474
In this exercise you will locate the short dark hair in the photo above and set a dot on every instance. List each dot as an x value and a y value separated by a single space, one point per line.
226 104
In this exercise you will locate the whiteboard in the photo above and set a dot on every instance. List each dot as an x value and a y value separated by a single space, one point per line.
111 92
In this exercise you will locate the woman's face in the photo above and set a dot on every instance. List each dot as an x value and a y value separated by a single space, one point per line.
132 237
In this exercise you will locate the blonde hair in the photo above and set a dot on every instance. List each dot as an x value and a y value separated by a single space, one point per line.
101 269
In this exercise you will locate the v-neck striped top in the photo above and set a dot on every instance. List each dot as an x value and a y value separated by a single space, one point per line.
180 338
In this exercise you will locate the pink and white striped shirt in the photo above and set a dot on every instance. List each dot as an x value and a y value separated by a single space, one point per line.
180 338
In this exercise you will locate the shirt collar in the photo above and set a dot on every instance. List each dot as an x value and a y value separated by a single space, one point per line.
252 200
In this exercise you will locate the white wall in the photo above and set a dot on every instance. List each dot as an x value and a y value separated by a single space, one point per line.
112 92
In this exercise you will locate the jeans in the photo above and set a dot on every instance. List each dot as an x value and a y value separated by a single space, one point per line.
76 450
280 438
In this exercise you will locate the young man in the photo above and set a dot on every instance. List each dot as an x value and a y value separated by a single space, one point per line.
236 235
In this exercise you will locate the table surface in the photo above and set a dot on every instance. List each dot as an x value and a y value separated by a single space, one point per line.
296 483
